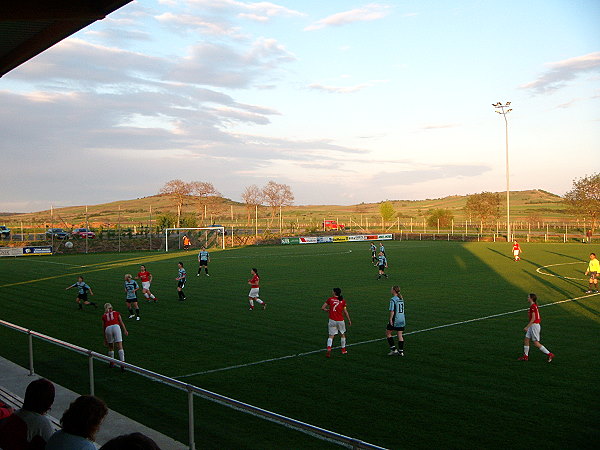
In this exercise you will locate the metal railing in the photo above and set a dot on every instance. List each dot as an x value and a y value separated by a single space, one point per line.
312 430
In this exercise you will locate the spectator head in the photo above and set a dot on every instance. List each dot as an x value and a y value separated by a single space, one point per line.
39 396
133 441
84 416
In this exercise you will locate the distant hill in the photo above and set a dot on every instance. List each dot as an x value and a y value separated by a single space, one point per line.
524 204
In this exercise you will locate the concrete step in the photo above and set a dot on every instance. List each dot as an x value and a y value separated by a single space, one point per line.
14 380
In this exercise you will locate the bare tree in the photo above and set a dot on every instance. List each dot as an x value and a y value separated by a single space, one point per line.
179 191
277 195
207 196
252 197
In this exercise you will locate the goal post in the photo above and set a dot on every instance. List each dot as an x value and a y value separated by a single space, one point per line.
209 237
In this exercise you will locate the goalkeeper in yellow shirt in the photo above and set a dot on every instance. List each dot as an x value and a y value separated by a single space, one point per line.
593 270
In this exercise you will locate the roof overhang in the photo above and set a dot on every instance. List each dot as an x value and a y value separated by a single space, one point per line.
28 27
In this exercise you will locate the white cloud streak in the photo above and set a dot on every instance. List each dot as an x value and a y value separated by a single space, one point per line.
261 11
367 13
339 89
198 24
561 72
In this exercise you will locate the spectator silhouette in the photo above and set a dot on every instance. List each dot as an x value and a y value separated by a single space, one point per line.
29 428
133 441
80 422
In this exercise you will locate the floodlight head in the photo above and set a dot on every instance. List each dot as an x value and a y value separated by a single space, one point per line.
509 110
507 103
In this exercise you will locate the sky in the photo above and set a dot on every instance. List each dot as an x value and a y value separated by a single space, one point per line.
344 101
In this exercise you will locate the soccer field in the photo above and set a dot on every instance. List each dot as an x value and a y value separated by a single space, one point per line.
458 386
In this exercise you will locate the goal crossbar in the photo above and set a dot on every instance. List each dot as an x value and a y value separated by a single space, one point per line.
222 233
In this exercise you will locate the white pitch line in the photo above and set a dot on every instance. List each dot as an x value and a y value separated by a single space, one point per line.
282 256
53 262
296 355
539 270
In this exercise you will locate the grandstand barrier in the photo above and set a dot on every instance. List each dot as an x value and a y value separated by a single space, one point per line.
191 390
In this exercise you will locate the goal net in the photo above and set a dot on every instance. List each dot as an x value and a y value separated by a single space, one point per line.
209 237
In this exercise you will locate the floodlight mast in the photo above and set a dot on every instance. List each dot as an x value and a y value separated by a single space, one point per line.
504 110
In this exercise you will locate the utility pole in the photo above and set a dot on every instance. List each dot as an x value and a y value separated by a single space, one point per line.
504 110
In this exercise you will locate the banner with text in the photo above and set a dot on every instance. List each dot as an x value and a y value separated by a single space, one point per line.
328 239
22 251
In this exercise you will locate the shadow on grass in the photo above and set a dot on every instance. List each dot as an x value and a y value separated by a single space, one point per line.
551 272
500 253
566 256
587 307
547 283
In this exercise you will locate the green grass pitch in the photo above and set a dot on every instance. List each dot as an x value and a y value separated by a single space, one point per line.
458 386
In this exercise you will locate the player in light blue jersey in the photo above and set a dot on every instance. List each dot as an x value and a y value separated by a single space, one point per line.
382 265
203 260
181 277
373 254
382 248
82 290
396 322
131 288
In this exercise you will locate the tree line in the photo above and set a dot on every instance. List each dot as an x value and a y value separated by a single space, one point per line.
274 195
583 200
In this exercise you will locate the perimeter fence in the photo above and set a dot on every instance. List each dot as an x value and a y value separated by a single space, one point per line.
236 236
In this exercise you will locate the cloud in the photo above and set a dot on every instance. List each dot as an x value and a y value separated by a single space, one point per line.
559 73
263 8
117 111
103 65
568 104
224 9
254 17
225 66
339 89
118 36
183 22
439 126
367 13
344 89
213 65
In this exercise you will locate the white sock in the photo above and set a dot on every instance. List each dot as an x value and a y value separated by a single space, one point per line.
251 303
544 350
329 342
343 342
111 354
526 350
152 296
259 301
146 295
121 355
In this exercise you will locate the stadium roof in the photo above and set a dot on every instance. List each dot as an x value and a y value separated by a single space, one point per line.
28 27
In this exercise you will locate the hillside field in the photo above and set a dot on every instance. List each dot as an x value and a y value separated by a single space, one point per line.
533 206
459 385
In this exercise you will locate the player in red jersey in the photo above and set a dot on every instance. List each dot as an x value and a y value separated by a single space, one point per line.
254 289
336 306
146 278
113 324
516 251
533 330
